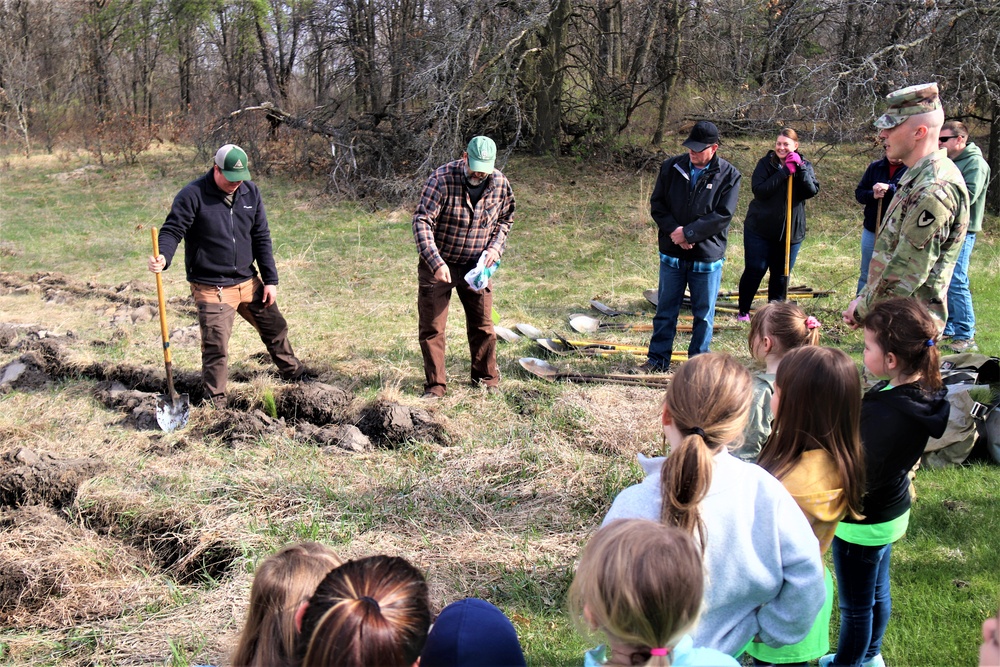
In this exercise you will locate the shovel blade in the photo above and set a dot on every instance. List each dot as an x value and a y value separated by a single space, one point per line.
506 334
172 414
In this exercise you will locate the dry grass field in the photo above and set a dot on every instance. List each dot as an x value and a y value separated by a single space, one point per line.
137 547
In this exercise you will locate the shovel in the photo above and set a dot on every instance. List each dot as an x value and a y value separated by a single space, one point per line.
172 409
788 243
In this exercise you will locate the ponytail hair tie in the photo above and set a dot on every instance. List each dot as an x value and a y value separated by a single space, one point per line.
371 600
659 651
812 323
696 431
930 342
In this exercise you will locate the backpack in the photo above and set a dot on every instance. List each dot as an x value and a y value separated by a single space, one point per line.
969 419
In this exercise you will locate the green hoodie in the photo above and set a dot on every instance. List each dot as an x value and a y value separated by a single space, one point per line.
977 175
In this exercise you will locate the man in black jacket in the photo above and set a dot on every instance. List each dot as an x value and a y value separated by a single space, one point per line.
692 204
221 218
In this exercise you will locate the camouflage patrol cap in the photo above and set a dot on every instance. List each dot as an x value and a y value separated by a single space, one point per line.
907 102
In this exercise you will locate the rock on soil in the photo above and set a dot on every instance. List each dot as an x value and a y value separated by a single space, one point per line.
334 436
29 478
390 424
26 372
140 406
314 402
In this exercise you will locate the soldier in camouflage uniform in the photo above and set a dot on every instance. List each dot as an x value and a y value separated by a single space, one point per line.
921 235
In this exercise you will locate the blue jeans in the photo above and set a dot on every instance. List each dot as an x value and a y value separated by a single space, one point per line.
702 279
761 256
865 600
867 247
961 318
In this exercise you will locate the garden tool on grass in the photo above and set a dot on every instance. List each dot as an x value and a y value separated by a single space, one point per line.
172 409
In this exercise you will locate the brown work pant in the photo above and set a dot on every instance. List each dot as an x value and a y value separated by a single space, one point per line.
432 307
217 310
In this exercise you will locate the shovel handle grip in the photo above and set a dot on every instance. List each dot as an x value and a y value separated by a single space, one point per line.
164 335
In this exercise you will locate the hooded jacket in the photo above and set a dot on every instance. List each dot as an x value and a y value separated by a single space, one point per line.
895 427
769 207
704 212
976 172
221 243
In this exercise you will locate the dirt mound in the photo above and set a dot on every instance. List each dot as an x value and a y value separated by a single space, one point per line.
178 543
236 426
314 402
140 406
58 288
26 372
29 478
389 424
334 436
144 379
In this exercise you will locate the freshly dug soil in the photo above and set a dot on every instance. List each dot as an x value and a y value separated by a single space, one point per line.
29 478
390 424
315 402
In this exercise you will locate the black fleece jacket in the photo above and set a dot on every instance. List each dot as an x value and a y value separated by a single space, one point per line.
895 427
704 213
221 243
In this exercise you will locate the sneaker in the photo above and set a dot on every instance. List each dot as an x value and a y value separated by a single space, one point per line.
960 345
877 661
743 317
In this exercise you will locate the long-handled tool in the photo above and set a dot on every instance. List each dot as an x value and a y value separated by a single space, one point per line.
172 409
611 312
600 348
587 324
547 371
653 296
788 242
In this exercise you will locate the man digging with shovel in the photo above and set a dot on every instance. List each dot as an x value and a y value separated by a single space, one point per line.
221 218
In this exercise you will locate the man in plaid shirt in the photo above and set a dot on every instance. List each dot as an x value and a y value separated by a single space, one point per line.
466 209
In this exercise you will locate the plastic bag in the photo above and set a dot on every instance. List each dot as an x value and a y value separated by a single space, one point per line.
479 277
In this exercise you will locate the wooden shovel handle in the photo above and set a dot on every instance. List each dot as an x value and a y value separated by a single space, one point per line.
162 302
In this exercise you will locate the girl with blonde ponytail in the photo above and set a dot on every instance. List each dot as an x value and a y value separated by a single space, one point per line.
762 561
640 585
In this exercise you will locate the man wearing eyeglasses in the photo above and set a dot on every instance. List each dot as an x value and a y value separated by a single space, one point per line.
921 235
961 326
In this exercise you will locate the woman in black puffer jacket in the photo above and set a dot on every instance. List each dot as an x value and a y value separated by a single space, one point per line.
764 227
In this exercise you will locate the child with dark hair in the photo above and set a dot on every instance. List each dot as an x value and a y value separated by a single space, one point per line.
815 450
775 330
898 415
281 584
371 612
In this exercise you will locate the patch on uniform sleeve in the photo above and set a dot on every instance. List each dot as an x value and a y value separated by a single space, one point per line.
926 218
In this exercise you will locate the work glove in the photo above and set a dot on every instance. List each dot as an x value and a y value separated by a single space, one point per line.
792 162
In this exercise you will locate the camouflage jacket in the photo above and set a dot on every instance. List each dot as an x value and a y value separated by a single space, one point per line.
920 237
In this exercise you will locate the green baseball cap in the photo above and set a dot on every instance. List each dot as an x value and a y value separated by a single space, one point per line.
232 160
909 101
482 154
